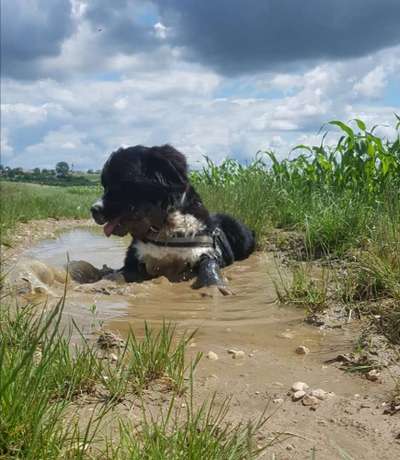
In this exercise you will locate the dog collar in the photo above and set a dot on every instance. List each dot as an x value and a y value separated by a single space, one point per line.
179 240
198 241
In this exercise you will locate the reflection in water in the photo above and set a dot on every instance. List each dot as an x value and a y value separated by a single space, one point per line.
78 244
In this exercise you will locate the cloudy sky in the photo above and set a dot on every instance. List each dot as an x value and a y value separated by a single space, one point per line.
212 77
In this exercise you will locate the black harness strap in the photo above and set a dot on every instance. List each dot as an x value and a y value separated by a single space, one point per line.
200 240
181 244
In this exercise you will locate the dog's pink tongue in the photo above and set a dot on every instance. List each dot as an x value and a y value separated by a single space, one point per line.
109 226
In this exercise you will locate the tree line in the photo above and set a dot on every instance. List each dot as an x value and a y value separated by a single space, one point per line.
62 174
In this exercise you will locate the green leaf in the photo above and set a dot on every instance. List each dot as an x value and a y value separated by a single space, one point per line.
343 127
360 124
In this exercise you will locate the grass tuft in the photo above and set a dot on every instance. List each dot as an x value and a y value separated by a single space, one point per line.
190 432
303 287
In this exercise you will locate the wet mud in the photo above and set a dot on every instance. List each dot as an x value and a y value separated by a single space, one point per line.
250 321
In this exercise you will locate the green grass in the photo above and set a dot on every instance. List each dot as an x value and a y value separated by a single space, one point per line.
190 433
303 288
335 195
43 377
25 202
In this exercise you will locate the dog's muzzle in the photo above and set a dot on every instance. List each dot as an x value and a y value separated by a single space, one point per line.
97 210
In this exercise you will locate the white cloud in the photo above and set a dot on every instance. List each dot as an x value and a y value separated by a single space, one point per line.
160 30
189 106
6 149
27 114
373 84
66 144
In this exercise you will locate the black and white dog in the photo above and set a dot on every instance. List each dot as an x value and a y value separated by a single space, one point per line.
147 193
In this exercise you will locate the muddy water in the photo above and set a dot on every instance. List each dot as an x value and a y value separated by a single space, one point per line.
250 320
252 305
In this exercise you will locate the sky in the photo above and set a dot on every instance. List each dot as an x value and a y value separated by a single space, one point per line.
222 78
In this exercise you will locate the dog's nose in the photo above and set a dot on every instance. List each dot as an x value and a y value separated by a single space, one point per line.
97 212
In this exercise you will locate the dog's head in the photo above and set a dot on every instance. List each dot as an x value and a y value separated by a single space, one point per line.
140 184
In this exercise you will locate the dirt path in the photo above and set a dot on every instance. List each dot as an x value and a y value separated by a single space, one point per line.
253 343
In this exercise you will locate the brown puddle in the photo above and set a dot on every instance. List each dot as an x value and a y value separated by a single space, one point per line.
250 320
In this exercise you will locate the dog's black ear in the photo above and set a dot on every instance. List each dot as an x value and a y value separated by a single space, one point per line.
167 165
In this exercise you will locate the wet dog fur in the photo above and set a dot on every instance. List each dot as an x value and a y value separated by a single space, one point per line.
147 192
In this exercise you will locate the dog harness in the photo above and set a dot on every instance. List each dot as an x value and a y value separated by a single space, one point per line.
200 240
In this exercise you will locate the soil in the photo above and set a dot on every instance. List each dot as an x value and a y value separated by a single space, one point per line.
350 423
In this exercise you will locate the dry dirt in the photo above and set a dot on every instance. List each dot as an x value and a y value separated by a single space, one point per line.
350 423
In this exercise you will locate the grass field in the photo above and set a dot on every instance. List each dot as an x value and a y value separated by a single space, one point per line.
24 202
343 200
340 196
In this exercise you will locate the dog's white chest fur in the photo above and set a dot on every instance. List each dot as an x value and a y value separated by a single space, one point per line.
163 258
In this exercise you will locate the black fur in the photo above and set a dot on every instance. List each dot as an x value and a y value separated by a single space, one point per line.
143 186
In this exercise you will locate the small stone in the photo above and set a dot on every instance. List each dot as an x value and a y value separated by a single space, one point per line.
277 400
256 392
212 356
289 447
297 395
236 354
108 340
310 401
319 394
286 335
300 386
373 375
239 355
302 350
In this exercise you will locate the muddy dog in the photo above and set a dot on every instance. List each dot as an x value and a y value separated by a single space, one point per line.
147 193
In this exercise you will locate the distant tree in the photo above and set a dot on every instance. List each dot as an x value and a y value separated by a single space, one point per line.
90 171
62 169
36 171
45 171
18 171
2 170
